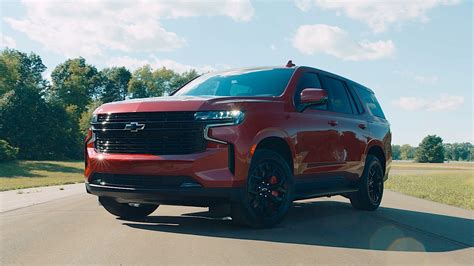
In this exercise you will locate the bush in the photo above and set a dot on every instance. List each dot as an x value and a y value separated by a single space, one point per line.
7 152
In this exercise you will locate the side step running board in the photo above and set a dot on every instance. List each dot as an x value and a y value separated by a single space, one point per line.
316 193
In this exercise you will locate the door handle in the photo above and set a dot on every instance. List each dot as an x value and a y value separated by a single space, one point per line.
333 123
363 126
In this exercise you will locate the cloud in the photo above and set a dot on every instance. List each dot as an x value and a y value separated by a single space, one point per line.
88 28
420 79
321 38
156 63
409 103
442 103
7 41
426 80
379 15
303 5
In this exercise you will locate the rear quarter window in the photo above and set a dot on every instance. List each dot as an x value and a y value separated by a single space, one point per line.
370 101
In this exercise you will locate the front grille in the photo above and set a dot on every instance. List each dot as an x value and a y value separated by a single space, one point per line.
159 133
144 181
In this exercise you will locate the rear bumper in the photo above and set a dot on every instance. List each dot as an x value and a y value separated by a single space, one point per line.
198 196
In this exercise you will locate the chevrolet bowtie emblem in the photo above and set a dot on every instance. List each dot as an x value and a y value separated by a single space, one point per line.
134 126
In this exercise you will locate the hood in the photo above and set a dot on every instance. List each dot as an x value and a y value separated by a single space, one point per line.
180 103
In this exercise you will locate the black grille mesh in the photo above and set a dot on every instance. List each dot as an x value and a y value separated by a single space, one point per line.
164 133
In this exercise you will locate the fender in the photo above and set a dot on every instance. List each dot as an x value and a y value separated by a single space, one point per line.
271 133
378 143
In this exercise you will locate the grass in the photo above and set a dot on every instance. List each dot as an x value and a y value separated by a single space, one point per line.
27 174
451 183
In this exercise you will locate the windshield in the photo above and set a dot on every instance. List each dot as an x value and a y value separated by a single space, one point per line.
268 82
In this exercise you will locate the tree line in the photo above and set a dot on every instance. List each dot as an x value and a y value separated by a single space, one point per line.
42 119
433 150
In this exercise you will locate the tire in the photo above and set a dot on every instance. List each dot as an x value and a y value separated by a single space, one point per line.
371 187
268 193
125 210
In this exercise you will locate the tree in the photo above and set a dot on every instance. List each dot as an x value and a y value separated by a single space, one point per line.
458 151
407 152
449 152
115 86
21 71
40 130
7 152
396 155
141 84
148 83
85 120
164 79
75 83
182 79
462 151
430 150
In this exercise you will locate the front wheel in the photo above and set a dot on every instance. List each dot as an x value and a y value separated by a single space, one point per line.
370 191
127 210
268 194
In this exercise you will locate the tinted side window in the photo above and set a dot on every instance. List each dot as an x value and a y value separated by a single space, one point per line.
338 97
308 80
369 100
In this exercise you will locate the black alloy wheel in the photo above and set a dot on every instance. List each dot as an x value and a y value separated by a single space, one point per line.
268 193
371 186
267 189
375 183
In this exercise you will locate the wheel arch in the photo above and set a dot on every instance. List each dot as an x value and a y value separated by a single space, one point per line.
377 151
279 145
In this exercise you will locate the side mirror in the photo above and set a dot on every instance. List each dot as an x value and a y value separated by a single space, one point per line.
313 96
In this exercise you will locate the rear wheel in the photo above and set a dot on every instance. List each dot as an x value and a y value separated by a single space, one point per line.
127 210
268 194
370 191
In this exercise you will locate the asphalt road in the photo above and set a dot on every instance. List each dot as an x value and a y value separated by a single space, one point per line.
77 230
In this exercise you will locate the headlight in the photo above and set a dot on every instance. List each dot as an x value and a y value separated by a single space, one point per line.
217 119
233 117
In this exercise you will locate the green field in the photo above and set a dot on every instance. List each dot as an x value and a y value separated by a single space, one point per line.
448 183
26 174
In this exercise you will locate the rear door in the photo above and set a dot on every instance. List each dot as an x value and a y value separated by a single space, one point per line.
378 125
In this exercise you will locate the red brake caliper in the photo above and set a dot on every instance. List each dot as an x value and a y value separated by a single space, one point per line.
273 181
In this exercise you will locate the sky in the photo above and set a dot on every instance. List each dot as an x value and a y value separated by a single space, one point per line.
416 55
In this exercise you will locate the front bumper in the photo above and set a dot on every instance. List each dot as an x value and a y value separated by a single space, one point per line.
211 168
171 196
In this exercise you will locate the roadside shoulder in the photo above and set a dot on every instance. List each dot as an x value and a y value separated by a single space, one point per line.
15 199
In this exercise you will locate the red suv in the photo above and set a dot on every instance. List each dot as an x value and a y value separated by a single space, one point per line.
245 143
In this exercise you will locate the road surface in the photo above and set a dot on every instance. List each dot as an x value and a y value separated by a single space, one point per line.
77 230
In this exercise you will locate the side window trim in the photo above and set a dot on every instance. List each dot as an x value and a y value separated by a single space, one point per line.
356 109
349 97
356 98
